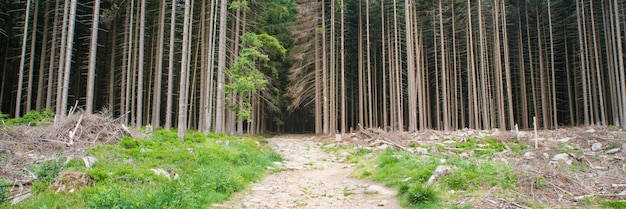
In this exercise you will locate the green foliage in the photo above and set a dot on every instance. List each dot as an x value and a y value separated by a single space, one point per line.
210 167
239 4
245 74
5 189
31 117
409 173
128 143
420 194
613 204
481 146
45 172
3 116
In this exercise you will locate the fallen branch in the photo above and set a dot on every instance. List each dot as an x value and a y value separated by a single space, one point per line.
73 133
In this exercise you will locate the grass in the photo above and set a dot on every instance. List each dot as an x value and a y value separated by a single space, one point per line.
211 167
409 173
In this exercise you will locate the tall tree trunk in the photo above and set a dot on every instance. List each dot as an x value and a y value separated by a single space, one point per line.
620 58
170 70
142 43
344 123
93 51
182 98
444 84
31 64
158 74
53 51
68 56
20 79
221 65
42 59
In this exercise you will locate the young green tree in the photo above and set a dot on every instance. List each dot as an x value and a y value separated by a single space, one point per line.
245 76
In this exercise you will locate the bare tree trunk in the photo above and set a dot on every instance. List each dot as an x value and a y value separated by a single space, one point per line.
620 58
182 99
221 64
68 56
20 79
53 51
31 64
170 70
344 123
142 43
444 84
42 59
158 74
93 51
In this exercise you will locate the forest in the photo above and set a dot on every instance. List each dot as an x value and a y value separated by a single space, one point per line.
318 66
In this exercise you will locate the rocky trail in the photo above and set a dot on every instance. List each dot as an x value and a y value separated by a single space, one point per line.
311 178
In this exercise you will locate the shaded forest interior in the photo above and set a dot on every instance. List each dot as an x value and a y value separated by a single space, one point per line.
318 66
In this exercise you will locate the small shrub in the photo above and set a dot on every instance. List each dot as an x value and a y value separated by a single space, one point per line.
420 194
129 143
5 189
47 171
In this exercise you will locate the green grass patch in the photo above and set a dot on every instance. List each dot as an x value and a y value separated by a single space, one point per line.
613 204
409 173
210 168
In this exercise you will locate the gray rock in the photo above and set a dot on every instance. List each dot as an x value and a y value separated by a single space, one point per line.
375 189
420 151
441 170
545 156
344 154
529 155
433 150
596 146
89 160
564 157
382 147
465 155
370 155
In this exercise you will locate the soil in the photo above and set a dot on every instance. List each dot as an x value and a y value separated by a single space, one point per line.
311 178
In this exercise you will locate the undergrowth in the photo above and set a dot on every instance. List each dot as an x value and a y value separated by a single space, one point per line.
31 118
209 169
409 173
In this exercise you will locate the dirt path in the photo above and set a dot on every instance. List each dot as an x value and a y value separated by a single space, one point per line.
311 178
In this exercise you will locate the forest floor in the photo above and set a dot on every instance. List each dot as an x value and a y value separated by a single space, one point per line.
309 177
569 167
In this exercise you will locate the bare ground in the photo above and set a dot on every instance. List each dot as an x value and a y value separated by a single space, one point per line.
311 178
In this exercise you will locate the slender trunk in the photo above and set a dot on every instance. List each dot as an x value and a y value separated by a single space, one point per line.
42 59
158 74
93 51
68 56
20 79
221 65
182 98
620 58
31 64
444 84
344 123
170 70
